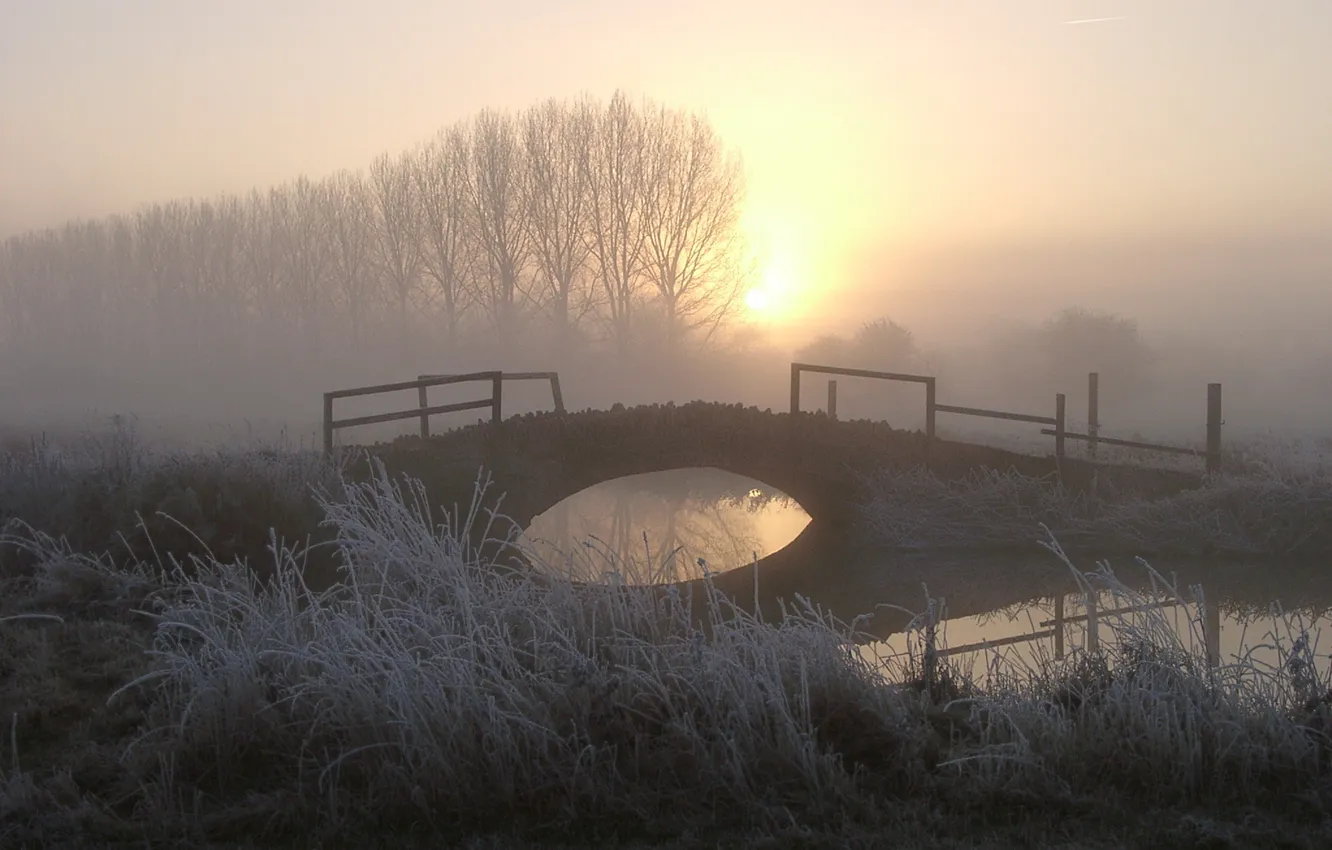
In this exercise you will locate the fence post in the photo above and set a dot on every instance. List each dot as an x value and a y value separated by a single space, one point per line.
1059 425
328 423
422 397
832 400
1093 621
496 399
556 393
1212 629
930 401
1093 412
1059 625
1213 429
795 389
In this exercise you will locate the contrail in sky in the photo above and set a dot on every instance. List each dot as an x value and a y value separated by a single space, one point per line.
1097 20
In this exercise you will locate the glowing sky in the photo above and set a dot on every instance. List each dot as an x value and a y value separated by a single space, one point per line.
863 123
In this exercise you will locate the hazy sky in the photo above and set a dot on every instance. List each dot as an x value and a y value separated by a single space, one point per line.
866 126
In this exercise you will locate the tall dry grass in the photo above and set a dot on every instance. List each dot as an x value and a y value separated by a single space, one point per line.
439 691
1145 714
432 686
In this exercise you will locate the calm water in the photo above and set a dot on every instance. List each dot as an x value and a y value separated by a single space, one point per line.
1021 636
656 528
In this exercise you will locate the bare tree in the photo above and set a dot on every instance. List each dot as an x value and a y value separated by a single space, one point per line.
498 168
301 231
123 309
31 307
162 269
11 303
557 141
221 277
444 181
615 196
351 216
691 209
397 210
259 266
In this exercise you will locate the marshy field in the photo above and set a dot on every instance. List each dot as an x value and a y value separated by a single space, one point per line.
268 647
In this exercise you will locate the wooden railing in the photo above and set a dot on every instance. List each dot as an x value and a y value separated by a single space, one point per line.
1057 423
932 406
798 368
556 394
1057 420
1211 453
424 412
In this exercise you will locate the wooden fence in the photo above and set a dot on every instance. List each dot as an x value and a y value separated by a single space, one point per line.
1211 453
798 368
1057 423
556 394
932 406
422 411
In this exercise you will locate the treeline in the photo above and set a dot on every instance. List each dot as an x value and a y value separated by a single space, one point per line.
1022 366
570 225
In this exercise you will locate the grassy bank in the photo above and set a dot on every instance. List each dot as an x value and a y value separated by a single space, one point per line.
1266 512
194 699
111 492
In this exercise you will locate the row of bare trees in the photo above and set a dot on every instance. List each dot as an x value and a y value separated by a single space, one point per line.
577 223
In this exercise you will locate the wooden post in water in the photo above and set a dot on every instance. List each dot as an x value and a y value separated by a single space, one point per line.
496 399
1093 622
832 400
1213 429
1212 629
1059 425
1093 412
930 401
422 397
795 389
1059 625
328 423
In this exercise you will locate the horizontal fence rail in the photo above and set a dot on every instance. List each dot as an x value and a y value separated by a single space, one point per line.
1129 444
423 412
996 414
1093 437
556 394
1058 423
1057 420
928 381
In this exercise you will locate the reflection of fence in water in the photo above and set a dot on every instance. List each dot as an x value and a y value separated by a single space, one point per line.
1056 628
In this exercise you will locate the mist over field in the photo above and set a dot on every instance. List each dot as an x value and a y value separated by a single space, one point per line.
91 333
271 221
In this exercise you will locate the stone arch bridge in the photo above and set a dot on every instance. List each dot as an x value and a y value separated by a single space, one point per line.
537 460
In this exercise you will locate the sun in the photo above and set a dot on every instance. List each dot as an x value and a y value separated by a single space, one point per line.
771 299
759 301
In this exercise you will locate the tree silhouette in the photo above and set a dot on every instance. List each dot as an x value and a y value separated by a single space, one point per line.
1078 341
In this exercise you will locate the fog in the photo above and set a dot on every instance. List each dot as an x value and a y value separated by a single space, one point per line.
310 201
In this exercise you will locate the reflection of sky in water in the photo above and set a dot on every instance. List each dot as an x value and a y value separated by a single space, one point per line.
1251 636
658 525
